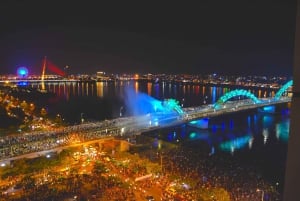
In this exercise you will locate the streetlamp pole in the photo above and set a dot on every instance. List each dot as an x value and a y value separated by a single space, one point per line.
121 109
159 154
161 162
262 194
81 117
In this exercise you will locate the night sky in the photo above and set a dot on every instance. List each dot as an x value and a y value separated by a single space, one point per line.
224 37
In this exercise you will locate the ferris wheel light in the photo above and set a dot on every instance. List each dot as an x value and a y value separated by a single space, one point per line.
22 72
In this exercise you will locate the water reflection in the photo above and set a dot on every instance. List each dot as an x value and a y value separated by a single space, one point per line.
136 87
149 88
193 94
213 94
204 135
237 143
265 133
100 89
231 134
282 130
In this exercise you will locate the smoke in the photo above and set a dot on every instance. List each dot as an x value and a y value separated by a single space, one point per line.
150 111
138 103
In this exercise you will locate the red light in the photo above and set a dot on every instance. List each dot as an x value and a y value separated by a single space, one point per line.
52 67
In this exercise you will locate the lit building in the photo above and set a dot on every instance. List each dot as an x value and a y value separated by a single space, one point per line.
102 76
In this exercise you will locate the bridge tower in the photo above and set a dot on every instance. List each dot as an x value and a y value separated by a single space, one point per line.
43 73
53 68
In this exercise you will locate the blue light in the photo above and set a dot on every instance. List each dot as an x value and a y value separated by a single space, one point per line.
193 135
161 112
214 128
283 130
249 121
270 109
214 91
22 72
231 124
170 137
22 84
198 136
236 143
267 121
200 123
183 133
223 126
155 143
285 112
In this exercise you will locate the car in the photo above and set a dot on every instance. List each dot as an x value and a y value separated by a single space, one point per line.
149 198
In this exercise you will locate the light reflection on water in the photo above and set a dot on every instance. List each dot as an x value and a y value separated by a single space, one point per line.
237 143
161 90
232 133
283 129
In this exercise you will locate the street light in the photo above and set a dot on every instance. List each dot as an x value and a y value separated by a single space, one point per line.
262 193
121 109
81 116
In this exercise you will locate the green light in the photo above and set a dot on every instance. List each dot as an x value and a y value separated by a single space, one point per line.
237 143
236 93
172 104
192 135
283 130
283 89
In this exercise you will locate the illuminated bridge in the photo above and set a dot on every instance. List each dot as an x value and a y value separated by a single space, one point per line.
166 113
23 77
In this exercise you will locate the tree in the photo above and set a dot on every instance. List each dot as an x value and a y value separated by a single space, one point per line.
31 108
28 182
24 105
43 112
219 194
99 168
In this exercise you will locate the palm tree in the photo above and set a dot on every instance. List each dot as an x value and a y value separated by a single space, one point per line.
99 168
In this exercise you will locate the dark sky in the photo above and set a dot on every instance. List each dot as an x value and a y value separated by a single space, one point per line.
226 37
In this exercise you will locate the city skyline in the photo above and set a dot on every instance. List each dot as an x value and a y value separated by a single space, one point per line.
226 38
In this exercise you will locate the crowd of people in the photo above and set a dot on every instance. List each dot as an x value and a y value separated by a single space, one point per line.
15 145
242 183
201 172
